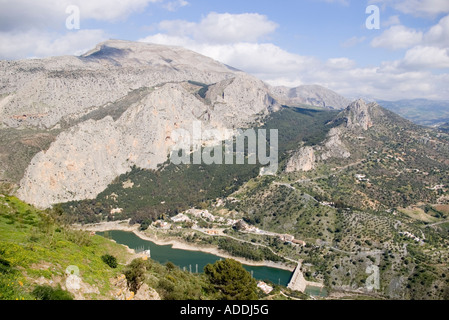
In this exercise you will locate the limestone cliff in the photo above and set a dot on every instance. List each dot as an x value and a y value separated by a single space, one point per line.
358 115
136 129
302 160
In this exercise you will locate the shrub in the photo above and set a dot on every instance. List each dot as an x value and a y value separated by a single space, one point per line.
49 293
110 260
135 274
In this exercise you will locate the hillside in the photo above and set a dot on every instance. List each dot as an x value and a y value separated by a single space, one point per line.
362 187
444 127
144 195
373 194
41 259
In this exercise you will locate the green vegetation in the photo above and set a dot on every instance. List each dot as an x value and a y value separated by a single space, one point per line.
247 251
49 293
110 260
231 280
135 274
36 248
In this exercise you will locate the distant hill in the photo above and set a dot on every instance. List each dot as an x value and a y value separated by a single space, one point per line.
444 127
312 95
420 111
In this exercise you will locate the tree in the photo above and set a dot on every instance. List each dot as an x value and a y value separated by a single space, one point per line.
110 260
135 274
231 280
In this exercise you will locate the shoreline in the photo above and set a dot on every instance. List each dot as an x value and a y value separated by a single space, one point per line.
177 244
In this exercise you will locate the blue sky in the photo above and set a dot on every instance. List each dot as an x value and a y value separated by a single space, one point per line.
286 42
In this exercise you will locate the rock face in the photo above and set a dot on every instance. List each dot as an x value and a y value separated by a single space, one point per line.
334 147
313 95
41 92
135 128
359 116
303 160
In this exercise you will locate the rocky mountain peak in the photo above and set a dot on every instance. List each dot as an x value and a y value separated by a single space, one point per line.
360 114
127 54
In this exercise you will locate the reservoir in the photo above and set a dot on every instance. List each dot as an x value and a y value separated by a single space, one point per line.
191 260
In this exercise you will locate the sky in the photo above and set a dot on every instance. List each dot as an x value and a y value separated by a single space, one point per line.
372 49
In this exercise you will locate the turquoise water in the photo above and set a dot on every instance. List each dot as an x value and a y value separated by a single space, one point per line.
190 259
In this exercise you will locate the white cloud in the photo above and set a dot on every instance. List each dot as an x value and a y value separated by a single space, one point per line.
423 7
353 42
391 21
340 63
419 8
438 35
175 5
390 81
222 28
397 37
422 57
409 77
261 59
35 43
31 14
30 28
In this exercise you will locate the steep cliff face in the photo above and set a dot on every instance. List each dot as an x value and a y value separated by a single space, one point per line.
137 129
334 147
302 160
359 116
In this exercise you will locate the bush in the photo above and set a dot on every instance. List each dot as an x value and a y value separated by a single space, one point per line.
110 260
5 266
49 293
135 274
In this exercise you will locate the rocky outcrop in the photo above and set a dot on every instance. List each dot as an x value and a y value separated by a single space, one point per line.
359 116
236 100
302 160
334 147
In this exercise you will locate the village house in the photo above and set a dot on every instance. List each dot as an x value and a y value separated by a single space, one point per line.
287 237
264 287
299 242
180 218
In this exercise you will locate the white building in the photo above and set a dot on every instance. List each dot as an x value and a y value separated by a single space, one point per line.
180 218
